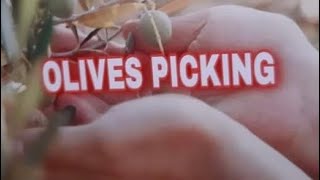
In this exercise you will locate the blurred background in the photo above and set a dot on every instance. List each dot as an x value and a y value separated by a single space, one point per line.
304 12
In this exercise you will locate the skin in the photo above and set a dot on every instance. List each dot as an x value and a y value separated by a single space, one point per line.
237 134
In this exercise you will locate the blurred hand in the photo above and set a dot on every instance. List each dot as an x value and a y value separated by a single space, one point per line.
287 116
178 137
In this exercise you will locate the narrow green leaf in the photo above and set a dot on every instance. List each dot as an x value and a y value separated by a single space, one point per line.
38 42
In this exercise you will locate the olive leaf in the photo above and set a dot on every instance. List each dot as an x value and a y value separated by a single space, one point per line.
160 3
107 16
86 4
27 10
174 6
40 38
34 27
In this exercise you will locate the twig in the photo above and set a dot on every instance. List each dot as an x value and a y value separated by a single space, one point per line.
75 31
92 50
93 47
64 54
103 43
89 36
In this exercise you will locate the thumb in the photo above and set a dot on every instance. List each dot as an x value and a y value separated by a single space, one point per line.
185 29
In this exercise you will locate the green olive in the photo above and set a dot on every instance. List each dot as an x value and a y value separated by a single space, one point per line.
61 8
163 24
